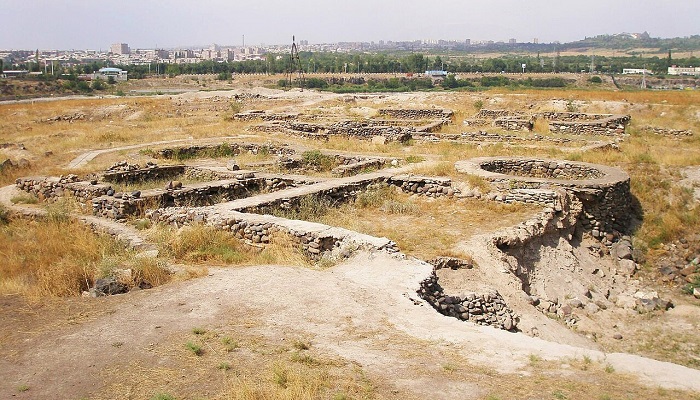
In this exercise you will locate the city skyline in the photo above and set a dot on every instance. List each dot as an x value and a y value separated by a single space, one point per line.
77 24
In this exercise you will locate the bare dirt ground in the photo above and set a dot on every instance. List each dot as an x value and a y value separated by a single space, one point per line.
361 312
356 330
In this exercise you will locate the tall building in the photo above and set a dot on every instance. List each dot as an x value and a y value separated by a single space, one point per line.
119 48
512 41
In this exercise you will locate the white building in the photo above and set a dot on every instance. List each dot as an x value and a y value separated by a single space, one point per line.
636 71
118 74
674 70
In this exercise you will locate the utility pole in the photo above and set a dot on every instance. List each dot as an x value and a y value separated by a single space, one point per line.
294 66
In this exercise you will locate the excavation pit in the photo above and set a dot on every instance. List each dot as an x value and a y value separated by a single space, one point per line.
603 191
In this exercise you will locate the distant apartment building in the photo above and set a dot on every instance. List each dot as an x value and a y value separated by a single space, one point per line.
186 53
674 70
636 71
119 48
162 54
228 55
512 41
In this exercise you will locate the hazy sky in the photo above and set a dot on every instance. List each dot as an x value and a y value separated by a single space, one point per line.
95 24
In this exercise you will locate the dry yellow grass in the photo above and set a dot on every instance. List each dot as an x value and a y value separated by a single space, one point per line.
61 257
423 227
200 244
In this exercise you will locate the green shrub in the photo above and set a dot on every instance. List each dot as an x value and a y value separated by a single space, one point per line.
316 83
318 161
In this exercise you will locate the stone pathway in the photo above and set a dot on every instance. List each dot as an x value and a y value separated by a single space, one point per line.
268 198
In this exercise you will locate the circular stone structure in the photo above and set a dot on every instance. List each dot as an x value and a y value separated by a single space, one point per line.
604 191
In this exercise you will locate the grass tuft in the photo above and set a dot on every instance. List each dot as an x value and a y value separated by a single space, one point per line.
163 396
24 198
229 344
224 366
194 348
199 331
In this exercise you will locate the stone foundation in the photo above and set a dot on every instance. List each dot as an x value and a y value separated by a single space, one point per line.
417 113
482 309
603 191
210 150
138 175
586 124
514 123
668 131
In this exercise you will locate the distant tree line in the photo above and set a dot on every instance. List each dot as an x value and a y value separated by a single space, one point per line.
361 63
397 63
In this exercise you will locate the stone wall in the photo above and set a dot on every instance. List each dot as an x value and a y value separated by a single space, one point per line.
483 136
477 122
368 130
122 205
335 195
234 148
302 129
316 240
423 185
482 309
250 222
513 123
493 114
542 168
609 127
586 124
137 175
361 130
559 122
264 115
604 192
668 131
400 113
433 126
573 116
357 167
48 188
105 202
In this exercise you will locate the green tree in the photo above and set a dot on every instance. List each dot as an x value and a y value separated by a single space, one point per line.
450 82
83 86
98 84
437 64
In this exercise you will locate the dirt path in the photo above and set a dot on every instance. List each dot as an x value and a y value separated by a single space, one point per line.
362 311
